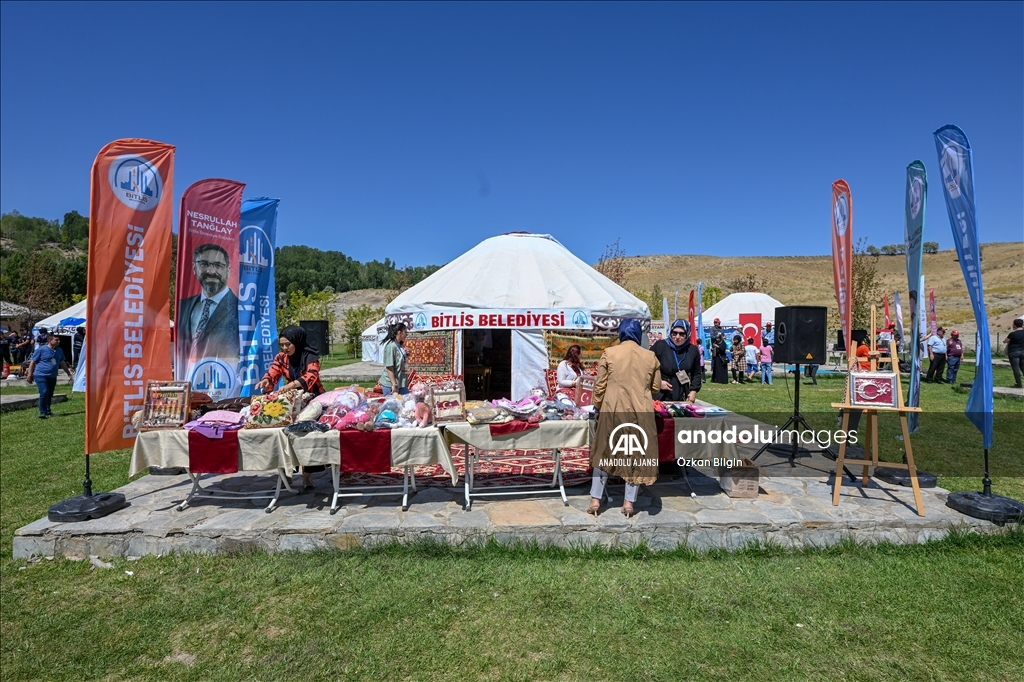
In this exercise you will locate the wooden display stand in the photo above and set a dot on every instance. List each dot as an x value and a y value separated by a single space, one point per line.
878 391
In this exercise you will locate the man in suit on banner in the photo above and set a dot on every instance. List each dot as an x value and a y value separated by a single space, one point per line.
207 323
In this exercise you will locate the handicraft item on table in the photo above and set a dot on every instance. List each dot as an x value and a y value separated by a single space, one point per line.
449 402
167 405
274 409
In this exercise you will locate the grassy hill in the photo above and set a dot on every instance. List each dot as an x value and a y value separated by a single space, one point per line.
807 280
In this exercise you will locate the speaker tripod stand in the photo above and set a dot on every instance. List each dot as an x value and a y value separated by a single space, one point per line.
799 425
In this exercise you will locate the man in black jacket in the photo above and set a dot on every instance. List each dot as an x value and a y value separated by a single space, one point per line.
207 324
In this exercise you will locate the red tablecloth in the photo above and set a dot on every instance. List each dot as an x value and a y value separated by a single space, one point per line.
666 439
514 426
366 451
213 455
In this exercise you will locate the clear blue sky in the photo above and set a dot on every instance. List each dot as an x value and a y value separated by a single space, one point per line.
414 131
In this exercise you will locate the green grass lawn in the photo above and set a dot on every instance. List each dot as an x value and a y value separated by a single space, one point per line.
951 610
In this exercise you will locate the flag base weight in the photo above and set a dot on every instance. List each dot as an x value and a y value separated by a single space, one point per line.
902 477
85 507
995 508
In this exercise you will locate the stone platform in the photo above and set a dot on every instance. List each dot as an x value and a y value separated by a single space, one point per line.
791 511
16 401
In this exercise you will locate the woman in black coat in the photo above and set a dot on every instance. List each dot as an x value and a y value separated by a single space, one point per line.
680 364
720 361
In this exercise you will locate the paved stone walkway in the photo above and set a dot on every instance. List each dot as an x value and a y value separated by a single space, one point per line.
356 372
23 401
791 510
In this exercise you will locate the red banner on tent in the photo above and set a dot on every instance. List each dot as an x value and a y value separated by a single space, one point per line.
842 255
888 321
750 327
130 212
692 313
206 346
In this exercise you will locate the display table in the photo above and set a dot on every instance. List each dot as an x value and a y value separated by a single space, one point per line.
258 450
375 452
548 435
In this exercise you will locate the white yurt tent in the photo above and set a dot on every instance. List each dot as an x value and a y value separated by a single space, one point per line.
66 321
371 339
522 285
730 308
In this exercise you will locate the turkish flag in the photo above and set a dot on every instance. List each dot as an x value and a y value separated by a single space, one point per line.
750 327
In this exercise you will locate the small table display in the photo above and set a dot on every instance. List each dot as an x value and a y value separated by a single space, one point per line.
242 450
483 439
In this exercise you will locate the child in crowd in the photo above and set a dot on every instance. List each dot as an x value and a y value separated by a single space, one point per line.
750 351
766 362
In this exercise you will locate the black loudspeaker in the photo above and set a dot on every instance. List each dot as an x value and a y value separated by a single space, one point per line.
316 335
800 334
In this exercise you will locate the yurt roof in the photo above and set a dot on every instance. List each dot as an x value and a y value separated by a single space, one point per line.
519 270
730 307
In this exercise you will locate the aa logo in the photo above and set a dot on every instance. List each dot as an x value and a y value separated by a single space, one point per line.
628 440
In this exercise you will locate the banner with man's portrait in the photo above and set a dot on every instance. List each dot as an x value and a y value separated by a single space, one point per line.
206 341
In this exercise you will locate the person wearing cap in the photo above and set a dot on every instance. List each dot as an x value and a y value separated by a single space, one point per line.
769 334
716 329
954 353
936 344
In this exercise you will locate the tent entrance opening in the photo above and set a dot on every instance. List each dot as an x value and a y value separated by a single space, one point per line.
487 363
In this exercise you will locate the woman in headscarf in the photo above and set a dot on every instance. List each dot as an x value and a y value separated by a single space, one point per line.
626 442
570 369
679 363
719 361
299 365
395 377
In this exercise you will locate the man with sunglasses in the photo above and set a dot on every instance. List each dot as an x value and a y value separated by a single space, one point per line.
207 323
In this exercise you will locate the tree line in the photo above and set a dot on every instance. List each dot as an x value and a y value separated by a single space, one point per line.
44 263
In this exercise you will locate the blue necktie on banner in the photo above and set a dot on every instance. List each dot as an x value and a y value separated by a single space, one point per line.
257 298
958 188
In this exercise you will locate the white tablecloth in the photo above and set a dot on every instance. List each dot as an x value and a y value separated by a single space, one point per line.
261 450
549 435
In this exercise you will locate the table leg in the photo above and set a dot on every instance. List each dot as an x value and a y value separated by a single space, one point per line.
468 478
405 488
558 476
195 488
336 481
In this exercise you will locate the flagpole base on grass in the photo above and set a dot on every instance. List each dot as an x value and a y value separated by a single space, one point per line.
995 508
892 476
85 507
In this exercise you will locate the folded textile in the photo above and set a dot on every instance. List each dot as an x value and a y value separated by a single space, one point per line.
306 426
223 417
215 430
511 427
213 455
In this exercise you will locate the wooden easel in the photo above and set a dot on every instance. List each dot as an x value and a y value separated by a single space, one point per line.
870 415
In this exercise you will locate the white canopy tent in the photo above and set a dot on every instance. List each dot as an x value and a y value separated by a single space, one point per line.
730 308
371 339
520 271
67 320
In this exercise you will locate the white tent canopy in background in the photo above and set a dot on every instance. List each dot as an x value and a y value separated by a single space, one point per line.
72 317
730 307
371 339
521 271
75 317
